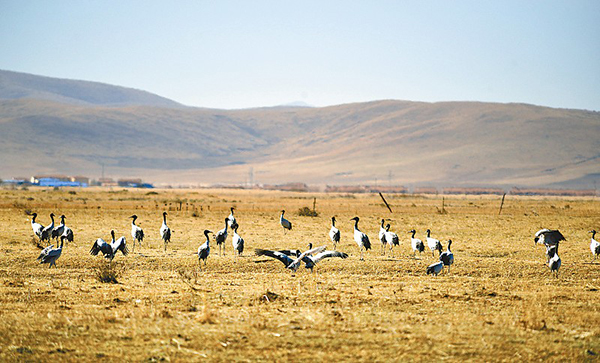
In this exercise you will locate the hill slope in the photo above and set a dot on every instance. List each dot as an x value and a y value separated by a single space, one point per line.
451 143
15 85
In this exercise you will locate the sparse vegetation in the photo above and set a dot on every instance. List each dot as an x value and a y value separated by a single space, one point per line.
307 212
499 303
108 272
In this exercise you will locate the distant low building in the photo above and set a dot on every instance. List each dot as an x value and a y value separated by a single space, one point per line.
474 191
290 187
53 182
57 177
554 192
425 190
81 179
16 181
366 189
107 182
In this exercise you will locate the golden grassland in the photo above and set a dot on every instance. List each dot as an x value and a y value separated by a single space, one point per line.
499 302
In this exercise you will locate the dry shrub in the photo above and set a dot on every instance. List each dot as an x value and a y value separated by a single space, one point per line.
307 212
190 278
109 272
206 316
268 297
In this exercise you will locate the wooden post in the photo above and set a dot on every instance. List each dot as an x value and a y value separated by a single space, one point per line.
501 203
314 205
386 203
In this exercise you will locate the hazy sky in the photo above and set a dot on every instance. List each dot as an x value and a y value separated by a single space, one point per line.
237 54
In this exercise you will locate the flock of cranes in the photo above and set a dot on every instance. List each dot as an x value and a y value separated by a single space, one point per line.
292 259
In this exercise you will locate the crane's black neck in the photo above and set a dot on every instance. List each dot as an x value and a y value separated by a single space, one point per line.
413 233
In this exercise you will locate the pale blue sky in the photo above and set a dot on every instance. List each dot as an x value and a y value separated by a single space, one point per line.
237 54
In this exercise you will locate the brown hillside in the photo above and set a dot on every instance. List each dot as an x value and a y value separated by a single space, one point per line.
452 143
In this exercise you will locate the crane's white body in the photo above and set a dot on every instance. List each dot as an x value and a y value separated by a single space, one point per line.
382 237
47 232
594 245
137 233
165 231
238 243
36 227
416 244
334 233
447 257
433 243
361 239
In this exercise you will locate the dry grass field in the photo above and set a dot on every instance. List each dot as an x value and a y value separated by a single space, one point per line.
499 303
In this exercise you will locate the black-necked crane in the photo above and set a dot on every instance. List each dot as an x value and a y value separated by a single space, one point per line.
58 230
109 250
165 231
47 231
435 268
204 249
361 239
549 237
232 221
416 244
433 243
290 264
238 243
391 239
334 233
36 227
221 236
447 257
310 261
68 234
287 225
136 232
382 237
554 261
49 254
594 245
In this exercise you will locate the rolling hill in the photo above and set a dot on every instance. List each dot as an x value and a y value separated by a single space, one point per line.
410 143
15 85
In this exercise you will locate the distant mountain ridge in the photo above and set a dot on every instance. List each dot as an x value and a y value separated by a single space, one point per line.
396 142
15 85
